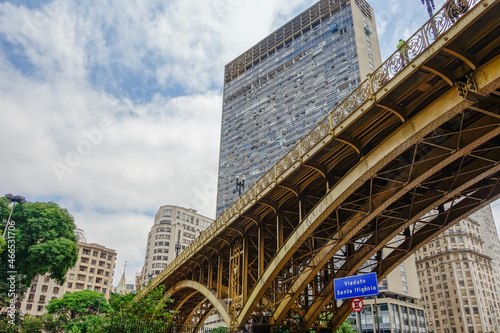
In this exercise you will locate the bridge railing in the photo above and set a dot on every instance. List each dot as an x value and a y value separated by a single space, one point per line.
419 42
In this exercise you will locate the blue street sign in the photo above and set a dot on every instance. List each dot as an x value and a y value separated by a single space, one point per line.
356 286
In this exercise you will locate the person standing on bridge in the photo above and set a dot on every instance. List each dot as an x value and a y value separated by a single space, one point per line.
403 52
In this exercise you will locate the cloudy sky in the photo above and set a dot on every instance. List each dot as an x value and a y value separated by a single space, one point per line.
112 109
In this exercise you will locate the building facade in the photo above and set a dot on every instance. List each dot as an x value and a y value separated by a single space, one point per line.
173 230
398 306
489 235
93 270
282 87
457 280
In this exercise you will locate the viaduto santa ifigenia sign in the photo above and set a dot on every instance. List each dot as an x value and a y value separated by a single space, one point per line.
356 286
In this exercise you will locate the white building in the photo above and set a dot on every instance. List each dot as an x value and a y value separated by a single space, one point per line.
173 230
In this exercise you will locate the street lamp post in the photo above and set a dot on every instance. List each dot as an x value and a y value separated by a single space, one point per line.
13 199
240 185
430 6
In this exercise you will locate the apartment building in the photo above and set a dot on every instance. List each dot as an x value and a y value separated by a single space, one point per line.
398 306
93 271
173 230
457 278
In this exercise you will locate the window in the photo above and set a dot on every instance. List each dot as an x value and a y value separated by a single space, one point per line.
86 251
103 255
29 306
92 270
97 288
91 278
71 275
110 257
167 213
95 253
85 260
101 263
103 290
83 269
93 262
70 284
56 290
98 280
45 288
89 287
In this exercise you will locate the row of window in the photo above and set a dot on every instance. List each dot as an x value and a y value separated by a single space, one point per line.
45 288
80 286
92 270
185 217
103 254
94 262
80 277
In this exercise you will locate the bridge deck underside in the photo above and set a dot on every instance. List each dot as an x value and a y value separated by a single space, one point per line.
391 177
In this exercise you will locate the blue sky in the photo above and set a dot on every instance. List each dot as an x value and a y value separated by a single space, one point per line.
112 109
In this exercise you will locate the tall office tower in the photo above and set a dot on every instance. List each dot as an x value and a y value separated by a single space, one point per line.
278 90
457 280
93 270
173 230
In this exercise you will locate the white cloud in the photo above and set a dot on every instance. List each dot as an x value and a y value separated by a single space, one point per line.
162 148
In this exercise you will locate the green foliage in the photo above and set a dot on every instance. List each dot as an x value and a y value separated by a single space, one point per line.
44 243
2 244
346 327
6 327
150 307
53 324
31 324
88 324
219 330
79 303
120 303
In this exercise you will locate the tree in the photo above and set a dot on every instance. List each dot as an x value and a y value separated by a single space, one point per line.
346 327
2 244
31 324
44 243
79 303
149 308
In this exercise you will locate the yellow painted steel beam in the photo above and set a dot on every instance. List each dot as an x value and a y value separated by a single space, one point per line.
328 293
179 306
203 319
465 57
218 303
439 111
442 109
332 246
445 75
193 312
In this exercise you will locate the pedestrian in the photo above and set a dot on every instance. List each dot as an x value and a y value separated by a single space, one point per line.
403 52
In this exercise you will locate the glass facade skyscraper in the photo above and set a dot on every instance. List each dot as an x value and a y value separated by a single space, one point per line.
278 90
